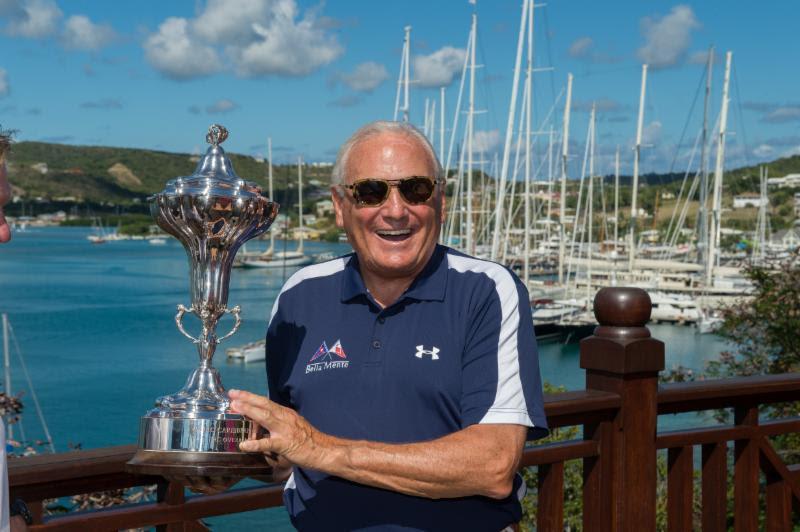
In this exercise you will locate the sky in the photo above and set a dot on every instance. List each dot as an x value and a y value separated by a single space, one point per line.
153 74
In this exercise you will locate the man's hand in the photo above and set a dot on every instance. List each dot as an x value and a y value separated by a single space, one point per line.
290 435
5 195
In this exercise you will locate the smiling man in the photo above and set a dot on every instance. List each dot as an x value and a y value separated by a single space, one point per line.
403 378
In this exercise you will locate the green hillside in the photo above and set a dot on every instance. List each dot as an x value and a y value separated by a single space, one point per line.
101 174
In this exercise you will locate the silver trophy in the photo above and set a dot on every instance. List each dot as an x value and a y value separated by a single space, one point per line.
212 213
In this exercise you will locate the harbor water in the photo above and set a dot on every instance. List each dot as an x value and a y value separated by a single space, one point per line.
94 325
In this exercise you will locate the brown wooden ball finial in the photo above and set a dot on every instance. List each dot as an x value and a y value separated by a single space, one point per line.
622 311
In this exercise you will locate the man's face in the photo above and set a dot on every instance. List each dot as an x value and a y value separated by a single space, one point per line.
396 239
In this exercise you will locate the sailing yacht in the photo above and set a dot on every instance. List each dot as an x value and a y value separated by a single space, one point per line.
284 259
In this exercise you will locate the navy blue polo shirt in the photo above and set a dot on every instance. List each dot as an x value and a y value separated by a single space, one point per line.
457 348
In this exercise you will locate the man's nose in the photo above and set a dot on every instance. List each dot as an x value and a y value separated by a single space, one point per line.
395 206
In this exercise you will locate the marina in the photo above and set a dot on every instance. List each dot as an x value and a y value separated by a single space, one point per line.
115 338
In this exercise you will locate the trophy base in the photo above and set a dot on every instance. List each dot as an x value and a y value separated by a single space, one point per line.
198 464
197 444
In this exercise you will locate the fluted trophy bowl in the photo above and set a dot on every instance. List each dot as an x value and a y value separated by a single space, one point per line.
212 213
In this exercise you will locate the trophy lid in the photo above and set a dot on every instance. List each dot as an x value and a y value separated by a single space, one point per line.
214 174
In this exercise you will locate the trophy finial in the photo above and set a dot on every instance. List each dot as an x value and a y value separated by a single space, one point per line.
216 134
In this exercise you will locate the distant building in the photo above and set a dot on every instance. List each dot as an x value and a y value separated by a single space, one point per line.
786 238
787 181
321 165
797 204
324 207
749 199
40 167
667 195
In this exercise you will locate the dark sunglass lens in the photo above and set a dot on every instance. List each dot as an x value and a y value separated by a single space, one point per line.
370 191
416 189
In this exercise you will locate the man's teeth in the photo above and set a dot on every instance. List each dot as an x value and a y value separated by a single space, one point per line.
395 232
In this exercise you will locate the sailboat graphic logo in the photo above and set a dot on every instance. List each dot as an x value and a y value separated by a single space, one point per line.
324 358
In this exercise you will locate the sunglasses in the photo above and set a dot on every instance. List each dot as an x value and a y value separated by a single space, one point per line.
374 192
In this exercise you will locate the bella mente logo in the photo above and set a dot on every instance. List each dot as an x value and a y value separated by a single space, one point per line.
324 358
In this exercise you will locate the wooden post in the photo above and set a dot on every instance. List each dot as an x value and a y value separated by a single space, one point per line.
622 358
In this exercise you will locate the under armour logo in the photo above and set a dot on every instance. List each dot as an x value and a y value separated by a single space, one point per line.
433 352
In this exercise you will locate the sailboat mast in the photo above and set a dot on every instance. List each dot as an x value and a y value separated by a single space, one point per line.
470 244
702 212
403 78
512 107
271 197
300 205
528 100
589 207
406 79
550 176
441 126
713 240
616 200
563 199
635 185
7 367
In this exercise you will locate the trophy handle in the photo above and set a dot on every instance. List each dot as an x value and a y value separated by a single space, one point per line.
179 322
235 311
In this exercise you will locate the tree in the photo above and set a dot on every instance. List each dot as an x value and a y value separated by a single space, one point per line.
764 331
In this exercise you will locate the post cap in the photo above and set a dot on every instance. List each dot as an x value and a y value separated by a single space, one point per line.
622 307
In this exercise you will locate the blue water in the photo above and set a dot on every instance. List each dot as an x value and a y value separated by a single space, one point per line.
95 326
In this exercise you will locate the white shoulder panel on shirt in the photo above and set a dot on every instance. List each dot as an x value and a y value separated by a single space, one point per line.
314 271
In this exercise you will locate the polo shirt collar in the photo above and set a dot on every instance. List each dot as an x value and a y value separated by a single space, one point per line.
428 286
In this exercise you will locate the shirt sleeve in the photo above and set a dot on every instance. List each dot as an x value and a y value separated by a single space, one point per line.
500 366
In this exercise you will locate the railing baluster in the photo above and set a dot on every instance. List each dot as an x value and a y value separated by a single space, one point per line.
170 493
779 504
746 468
550 510
680 489
599 511
715 487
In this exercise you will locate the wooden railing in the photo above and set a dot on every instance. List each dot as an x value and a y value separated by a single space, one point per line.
619 445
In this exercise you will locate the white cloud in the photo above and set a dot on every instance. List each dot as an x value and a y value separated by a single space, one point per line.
221 107
80 33
486 141
260 38
34 19
366 77
177 53
667 38
763 150
439 68
286 48
5 89
581 47
786 113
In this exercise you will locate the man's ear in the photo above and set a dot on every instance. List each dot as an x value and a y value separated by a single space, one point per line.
338 205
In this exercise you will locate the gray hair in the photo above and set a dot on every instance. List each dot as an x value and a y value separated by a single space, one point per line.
376 128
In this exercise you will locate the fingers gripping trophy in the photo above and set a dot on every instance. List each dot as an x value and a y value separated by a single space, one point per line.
212 213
